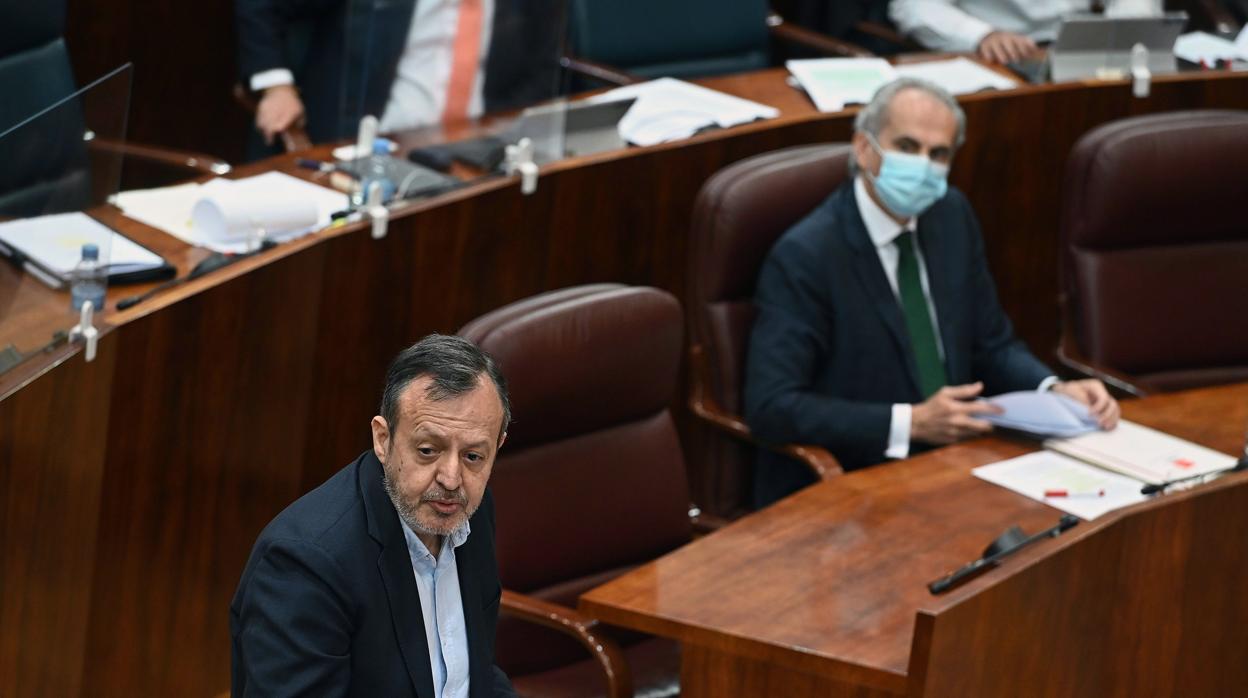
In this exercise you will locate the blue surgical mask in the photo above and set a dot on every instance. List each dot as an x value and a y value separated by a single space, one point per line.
908 184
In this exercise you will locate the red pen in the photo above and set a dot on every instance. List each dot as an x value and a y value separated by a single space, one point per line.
1068 493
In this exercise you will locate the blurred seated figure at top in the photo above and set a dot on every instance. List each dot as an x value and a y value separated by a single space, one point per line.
410 63
999 31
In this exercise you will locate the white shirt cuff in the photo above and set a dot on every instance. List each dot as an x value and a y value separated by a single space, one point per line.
899 432
1047 384
265 79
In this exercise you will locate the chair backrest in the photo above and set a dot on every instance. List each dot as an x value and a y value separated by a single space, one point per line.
1155 262
739 214
44 160
656 38
591 480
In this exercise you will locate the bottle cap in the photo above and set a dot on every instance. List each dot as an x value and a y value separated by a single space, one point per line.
90 251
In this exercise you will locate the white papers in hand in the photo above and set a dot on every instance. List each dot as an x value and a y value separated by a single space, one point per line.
1044 414
1145 454
668 110
958 75
1033 474
275 201
834 82
54 244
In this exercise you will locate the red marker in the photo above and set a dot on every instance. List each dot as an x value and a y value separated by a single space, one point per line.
1068 493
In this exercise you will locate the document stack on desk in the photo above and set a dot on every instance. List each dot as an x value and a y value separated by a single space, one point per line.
1206 49
1099 471
49 247
833 83
670 110
1145 454
227 215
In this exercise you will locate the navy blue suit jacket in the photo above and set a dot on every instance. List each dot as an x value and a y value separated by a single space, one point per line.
328 603
829 353
354 48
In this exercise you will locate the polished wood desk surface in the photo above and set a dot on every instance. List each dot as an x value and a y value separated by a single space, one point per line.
829 581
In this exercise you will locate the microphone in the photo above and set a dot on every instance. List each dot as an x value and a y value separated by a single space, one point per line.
211 263
1007 544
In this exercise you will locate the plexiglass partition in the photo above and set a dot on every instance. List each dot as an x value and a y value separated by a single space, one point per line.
60 165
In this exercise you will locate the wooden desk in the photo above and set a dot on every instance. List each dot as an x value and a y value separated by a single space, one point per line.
821 594
132 488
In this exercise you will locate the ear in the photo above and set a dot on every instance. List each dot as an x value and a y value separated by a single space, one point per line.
381 437
501 440
864 153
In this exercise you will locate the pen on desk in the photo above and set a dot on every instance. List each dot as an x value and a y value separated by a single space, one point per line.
1072 494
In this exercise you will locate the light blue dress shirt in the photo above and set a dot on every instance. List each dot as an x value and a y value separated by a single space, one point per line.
443 611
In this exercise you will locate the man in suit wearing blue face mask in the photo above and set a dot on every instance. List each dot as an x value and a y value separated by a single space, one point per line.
878 324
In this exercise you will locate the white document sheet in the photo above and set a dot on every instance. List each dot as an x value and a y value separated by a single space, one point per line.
1043 414
834 82
958 75
668 109
169 208
1142 453
1033 474
1200 47
55 242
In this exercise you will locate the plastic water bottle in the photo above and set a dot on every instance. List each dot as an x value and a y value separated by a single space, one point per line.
89 280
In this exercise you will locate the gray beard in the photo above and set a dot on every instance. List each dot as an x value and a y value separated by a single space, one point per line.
407 513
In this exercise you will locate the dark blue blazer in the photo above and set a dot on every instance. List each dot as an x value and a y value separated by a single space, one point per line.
328 603
353 49
829 353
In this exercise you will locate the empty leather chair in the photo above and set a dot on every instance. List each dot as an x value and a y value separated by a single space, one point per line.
591 481
739 214
1155 252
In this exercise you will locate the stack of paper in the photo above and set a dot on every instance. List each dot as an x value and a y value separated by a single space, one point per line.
1199 47
958 75
668 110
52 247
170 208
833 83
1145 454
1087 492
1044 414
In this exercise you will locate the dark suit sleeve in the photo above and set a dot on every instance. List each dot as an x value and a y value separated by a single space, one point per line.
790 341
260 27
998 358
295 628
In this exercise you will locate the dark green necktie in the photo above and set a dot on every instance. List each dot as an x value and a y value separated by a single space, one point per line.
918 319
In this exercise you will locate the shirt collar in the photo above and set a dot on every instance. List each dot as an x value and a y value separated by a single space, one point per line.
880 226
416 547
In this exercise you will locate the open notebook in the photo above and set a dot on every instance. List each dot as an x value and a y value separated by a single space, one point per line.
49 247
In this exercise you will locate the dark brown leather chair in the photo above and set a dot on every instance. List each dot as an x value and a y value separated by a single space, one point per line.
738 216
1155 252
591 481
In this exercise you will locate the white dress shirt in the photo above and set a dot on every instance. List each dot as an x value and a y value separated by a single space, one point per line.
418 95
959 25
883 231
442 608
